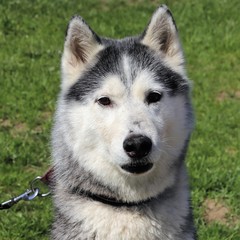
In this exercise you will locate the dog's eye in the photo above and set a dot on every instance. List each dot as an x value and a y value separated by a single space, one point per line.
153 97
105 101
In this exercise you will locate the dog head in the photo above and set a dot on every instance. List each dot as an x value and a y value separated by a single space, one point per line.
124 112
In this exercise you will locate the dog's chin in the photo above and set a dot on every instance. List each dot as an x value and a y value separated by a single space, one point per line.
137 167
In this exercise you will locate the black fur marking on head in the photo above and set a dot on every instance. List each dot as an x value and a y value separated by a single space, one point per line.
92 78
144 58
109 61
172 81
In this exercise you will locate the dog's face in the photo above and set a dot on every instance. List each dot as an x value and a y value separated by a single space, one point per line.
124 111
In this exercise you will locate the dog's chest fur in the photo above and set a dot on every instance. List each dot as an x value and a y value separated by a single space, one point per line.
92 221
164 218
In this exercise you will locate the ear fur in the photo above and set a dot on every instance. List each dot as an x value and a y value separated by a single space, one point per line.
161 35
81 45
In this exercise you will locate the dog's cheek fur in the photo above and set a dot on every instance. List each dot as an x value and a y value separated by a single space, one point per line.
87 133
176 129
85 139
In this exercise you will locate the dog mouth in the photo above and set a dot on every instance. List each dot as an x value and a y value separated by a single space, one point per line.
137 167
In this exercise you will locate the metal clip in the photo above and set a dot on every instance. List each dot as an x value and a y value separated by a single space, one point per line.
26 196
33 182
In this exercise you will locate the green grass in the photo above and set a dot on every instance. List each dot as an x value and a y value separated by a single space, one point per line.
31 40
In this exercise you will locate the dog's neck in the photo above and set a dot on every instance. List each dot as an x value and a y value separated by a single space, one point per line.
109 200
83 184
103 195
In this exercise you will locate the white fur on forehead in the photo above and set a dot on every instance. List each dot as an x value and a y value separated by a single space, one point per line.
161 36
80 47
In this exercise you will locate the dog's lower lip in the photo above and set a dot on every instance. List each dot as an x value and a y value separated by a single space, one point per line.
137 168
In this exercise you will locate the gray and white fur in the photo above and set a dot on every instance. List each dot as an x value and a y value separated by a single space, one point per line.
121 132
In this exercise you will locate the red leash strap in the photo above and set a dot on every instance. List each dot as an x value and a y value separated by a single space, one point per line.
47 178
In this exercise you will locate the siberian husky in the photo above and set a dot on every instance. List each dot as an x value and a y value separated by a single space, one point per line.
121 132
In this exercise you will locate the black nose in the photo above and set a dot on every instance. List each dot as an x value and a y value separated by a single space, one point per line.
137 146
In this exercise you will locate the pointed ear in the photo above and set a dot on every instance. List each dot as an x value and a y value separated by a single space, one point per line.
161 35
80 47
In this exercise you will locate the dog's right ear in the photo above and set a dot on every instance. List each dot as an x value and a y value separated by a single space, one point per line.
80 47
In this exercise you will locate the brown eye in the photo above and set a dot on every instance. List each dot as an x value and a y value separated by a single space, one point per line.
104 101
153 97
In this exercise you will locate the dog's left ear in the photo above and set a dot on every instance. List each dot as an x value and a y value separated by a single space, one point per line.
161 35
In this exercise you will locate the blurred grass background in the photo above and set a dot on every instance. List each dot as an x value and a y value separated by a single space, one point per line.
31 40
